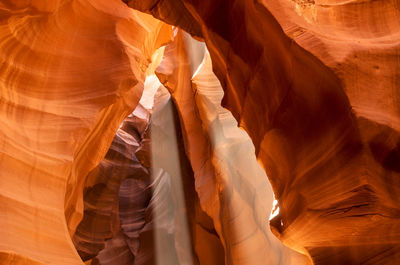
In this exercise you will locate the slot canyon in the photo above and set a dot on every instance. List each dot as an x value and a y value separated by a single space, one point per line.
200 132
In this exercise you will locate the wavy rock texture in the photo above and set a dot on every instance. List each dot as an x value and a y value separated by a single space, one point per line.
71 71
134 214
234 191
314 83
119 179
124 206
360 46
319 99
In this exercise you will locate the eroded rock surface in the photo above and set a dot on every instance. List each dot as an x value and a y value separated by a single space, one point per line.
232 186
307 81
71 71
315 84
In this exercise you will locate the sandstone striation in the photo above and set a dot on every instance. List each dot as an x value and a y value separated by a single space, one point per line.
116 151
234 192
307 81
71 72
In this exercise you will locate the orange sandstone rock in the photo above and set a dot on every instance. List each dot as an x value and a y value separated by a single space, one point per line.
315 85
71 72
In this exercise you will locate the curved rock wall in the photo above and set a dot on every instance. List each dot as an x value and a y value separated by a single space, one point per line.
71 71
315 84
232 187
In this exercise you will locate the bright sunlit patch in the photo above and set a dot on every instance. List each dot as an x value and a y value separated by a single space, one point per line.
275 209
150 88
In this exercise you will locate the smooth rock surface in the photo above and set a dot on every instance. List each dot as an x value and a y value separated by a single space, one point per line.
71 71
315 85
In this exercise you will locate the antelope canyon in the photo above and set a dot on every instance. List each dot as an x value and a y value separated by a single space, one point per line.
200 132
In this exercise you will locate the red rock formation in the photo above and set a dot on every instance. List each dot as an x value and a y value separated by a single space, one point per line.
315 85
106 194
232 187
132 217
71 71
322 112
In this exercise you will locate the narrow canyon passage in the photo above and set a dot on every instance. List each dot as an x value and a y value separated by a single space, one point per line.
173 224
186 132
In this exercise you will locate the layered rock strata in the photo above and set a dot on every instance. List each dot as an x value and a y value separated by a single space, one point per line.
315 86
71 71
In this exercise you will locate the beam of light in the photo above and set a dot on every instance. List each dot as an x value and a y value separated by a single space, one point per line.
246 207
165 163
